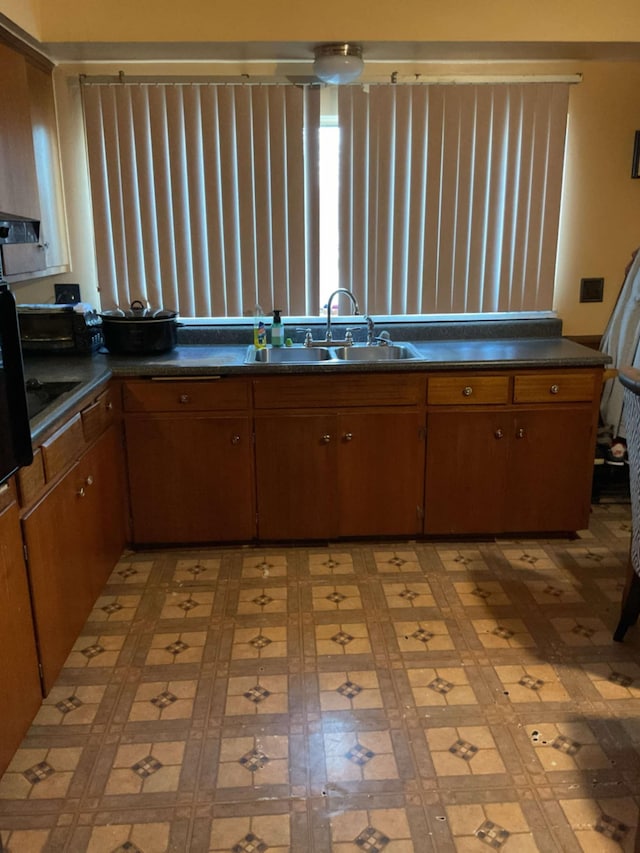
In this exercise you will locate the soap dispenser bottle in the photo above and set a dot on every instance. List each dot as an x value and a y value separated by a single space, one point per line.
259 329
277 331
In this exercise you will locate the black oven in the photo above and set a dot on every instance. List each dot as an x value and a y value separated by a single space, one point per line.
15 434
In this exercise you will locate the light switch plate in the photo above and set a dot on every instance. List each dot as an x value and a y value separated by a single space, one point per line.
591 289
67 294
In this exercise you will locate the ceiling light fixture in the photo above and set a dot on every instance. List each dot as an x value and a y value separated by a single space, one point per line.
338 63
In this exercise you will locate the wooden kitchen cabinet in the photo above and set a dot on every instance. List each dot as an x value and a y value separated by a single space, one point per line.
510 453
30 174
350 464
190 460
74 536
18 183
21 692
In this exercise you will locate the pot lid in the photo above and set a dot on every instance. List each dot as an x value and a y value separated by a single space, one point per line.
138 311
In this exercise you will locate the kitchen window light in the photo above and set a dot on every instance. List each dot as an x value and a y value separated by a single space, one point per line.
443 199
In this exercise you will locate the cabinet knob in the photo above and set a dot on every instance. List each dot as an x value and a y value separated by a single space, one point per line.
554 389
499 433
109 406
467 391
348 436
89 480
184 398
326 438
81 492
520 433
235 439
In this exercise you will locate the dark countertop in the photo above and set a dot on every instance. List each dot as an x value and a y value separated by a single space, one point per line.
229 359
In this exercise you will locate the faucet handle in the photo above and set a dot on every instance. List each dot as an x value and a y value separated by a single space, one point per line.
348 337
384 339
308 337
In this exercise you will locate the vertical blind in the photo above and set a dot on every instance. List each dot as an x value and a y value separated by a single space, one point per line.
205 196
450 195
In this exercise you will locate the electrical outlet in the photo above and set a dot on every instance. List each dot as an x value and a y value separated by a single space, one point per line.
67 294
591 289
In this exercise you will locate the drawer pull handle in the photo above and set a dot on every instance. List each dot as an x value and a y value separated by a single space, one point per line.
326 438
235 439
499 433
81 492
520 433
184 398
467 391
348 436
555 389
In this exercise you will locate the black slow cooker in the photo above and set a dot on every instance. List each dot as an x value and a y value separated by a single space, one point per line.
139 330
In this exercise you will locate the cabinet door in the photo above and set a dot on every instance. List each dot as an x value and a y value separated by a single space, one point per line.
190 478
466 471
380 470
57 539
53 235
74 537
297 476
101 473
18 187
21 693
550 470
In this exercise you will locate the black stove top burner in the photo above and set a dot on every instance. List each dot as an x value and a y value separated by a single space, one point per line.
40 395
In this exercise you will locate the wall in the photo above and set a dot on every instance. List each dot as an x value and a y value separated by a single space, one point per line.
363 20
600 220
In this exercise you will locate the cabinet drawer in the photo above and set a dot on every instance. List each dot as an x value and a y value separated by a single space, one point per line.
31 480
467 390
554 387
63 448
7 494
98 416
299 392
185 395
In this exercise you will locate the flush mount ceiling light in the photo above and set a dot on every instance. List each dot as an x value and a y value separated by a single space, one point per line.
338 63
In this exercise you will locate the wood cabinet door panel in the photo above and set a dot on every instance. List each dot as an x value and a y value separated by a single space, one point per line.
102 472
550 470
18 187
18 657
190 479
380 470
56 535
466 471
297 486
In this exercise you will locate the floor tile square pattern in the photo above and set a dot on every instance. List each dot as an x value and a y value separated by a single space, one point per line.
381 696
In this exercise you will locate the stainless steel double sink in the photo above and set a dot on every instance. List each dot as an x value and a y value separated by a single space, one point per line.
331 354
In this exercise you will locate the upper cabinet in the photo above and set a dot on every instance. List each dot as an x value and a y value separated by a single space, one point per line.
30 178
18 181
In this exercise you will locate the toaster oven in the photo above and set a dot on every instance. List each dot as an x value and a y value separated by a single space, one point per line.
66 329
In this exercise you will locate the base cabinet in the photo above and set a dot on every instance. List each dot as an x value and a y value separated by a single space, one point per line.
522 465
74 537
346 461
21 691
190 461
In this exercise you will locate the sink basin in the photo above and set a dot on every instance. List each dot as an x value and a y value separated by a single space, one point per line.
287 355
376 353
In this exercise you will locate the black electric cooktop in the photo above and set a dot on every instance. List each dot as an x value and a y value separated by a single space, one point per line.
40 395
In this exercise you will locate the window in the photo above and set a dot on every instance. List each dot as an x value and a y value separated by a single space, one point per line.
422 198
